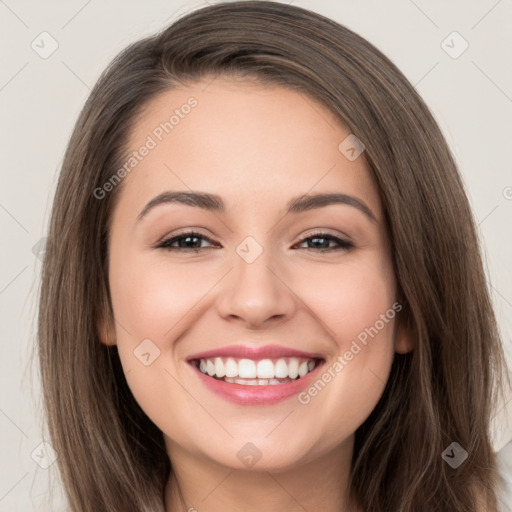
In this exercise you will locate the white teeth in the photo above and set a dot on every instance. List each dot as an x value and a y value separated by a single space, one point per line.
293 368
246 369
219 367
303 369
231 367
210 368
263 372
255 382
265 369
281 369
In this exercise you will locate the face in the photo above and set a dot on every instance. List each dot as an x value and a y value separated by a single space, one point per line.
277 277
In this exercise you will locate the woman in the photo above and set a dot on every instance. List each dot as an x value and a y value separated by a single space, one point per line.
265 288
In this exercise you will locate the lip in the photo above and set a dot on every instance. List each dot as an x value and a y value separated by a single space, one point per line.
248 352
256 395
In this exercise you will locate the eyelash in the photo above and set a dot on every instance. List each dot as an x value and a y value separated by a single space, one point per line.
166 244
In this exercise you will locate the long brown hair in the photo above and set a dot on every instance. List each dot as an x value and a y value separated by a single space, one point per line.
111 455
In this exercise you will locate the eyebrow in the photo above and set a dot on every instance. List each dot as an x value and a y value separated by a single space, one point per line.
213 202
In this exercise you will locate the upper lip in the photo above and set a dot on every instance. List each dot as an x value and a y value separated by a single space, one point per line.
249 352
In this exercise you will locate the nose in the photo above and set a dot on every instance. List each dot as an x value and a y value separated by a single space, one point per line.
256 295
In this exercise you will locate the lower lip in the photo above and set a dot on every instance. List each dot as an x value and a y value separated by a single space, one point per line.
258 395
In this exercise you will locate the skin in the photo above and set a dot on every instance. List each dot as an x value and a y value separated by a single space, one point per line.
257 147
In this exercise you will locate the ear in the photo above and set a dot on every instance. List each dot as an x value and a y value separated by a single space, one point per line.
106 330
405 336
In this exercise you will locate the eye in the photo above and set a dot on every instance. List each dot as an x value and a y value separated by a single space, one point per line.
189 241
192 241
321 242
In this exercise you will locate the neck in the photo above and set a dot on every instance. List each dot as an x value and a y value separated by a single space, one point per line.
206 486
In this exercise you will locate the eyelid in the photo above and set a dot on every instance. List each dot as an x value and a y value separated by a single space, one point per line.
324 231
343 241
191 232
342 244
182 232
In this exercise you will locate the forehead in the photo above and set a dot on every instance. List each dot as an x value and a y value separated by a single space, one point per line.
244 141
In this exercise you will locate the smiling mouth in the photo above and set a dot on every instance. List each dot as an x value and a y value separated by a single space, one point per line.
252 372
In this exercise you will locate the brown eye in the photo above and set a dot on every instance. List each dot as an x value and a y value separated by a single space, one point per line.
322 241
189 241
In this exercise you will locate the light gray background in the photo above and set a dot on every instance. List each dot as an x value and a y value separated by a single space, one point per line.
471 96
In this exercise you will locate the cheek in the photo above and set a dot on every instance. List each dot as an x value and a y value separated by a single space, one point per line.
151 297
349 298
356 305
